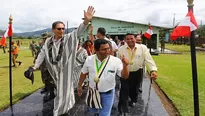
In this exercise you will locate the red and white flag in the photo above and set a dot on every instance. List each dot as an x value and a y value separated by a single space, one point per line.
185 27
6 34
148 33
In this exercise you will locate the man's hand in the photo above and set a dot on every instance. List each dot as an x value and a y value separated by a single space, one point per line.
88 16
79 91
154 75
125 61
125 71
34 68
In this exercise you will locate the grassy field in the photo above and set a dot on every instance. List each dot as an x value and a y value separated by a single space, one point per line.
179 48
175 78
21 86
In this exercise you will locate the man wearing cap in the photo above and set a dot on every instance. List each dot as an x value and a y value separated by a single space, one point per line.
60 52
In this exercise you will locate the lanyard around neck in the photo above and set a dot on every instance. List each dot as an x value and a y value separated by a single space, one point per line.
99 69
131 53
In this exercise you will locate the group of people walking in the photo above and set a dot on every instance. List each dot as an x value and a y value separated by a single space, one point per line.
95 63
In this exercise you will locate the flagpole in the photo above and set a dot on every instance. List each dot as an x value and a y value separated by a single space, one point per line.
174 19
10 64
67 27
194 65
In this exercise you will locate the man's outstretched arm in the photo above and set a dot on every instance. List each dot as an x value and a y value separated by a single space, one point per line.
88 16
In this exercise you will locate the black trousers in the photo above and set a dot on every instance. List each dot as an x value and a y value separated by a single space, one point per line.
129 89
123 97
4 49
142 79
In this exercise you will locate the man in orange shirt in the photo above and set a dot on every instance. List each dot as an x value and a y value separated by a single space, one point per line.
14 50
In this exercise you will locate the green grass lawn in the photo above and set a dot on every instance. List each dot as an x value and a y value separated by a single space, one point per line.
175 78
21 86
179 48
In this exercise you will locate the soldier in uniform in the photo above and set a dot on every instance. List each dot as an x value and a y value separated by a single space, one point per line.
45 75
33 48
162 44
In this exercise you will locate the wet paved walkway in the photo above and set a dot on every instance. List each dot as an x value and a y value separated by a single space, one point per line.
167 51
149 104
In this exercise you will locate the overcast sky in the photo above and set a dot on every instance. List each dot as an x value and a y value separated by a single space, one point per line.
30 15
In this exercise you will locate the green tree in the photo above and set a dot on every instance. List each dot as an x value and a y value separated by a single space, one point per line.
29 37
201 31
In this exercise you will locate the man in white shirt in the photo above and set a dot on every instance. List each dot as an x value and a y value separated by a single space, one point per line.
114 45
121 42
101 35
136 54
94 64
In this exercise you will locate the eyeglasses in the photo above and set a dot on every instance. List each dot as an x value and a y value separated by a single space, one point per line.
105 49
60 29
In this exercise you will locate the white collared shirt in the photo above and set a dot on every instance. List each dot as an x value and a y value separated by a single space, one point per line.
141 56
114 45
107 79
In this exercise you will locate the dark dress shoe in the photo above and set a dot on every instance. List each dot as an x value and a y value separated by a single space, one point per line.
44 90
96 114
47 98
126 114
123 114
20 63
132 104
140 90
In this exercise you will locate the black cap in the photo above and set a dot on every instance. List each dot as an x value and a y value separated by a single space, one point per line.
44 35
29 74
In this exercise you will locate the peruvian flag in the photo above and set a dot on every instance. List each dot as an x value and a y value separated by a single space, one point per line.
148 33
7 33
185 27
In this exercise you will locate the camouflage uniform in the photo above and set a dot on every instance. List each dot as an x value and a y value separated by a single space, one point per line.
45 75
33 49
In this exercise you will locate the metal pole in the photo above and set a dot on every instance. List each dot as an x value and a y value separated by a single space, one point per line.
194 65
10 64
174 20
67 27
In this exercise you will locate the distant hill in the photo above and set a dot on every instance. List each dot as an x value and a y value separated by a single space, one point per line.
39 32
1 33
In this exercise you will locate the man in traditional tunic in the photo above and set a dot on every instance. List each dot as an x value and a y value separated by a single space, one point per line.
60 54
80 59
